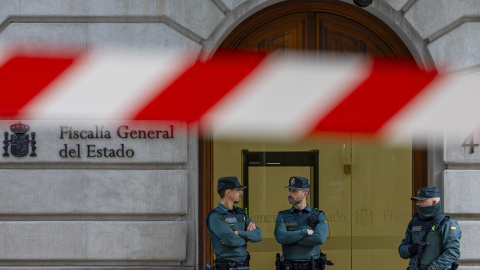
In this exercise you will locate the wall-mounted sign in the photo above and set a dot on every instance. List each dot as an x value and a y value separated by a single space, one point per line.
19 141
94 141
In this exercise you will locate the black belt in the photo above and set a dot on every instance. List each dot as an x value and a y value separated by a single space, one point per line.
300 265
221 264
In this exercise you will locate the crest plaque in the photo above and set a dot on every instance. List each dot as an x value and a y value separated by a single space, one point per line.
19 141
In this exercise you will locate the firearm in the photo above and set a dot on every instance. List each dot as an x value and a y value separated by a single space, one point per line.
312 262
209 267
277 262
417 257
324 261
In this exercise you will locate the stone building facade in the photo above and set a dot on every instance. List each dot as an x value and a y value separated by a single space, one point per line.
64 213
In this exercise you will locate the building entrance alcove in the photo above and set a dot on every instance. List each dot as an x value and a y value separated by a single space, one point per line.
363 189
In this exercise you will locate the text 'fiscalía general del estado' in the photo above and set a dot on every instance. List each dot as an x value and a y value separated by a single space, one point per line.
99 132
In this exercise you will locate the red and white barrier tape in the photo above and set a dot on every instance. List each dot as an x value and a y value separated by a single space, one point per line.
275 96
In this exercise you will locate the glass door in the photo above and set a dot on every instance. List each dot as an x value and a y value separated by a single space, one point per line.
363 189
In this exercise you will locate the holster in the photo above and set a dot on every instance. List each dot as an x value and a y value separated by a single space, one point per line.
278 262
324 261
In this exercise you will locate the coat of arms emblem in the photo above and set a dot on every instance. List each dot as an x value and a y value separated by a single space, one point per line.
19 141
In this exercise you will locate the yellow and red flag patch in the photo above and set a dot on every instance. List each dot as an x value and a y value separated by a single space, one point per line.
453 228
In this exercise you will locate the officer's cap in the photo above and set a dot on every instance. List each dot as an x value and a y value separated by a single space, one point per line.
229 182
425 193
298 182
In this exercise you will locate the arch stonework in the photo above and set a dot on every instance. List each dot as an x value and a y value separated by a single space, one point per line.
380 9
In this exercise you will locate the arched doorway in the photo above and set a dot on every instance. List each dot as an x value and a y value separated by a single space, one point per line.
332 26
340 29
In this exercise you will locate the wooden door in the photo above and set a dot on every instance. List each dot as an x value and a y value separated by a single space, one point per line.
322 26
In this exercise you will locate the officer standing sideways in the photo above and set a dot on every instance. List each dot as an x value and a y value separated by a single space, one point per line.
301 230
230 228
432 239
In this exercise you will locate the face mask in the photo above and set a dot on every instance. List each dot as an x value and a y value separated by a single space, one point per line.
428 212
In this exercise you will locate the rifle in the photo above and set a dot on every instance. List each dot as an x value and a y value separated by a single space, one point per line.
424 238
417 256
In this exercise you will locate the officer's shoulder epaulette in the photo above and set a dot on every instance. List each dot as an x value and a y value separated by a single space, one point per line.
214 210
285 213
445 218
317 212
217 211
239 210
441 217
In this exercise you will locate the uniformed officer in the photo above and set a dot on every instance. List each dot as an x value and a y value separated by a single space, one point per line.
230 228
432 239
301 230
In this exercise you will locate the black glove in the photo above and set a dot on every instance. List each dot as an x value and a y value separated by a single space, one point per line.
417 247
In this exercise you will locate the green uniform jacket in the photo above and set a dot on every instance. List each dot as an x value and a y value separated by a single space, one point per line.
444 248
297 245
222 227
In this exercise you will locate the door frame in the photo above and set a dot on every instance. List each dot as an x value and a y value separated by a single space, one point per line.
205 142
